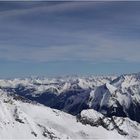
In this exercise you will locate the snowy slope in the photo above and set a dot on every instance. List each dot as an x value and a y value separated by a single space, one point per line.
124 126
20 118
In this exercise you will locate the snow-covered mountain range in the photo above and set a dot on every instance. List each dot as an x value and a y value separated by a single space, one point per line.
81 107
21 118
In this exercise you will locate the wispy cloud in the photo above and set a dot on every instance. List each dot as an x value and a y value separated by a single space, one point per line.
100 50
85 31
44 6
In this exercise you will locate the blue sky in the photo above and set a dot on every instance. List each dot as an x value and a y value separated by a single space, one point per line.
68 38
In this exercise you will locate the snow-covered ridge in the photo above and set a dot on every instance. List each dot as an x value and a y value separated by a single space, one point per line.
120 97
124 126
56 85
24 120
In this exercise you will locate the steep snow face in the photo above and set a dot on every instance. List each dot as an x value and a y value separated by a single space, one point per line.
111 88
120 97
21 119
124 126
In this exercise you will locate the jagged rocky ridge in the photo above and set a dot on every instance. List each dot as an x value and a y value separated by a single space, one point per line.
120 97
